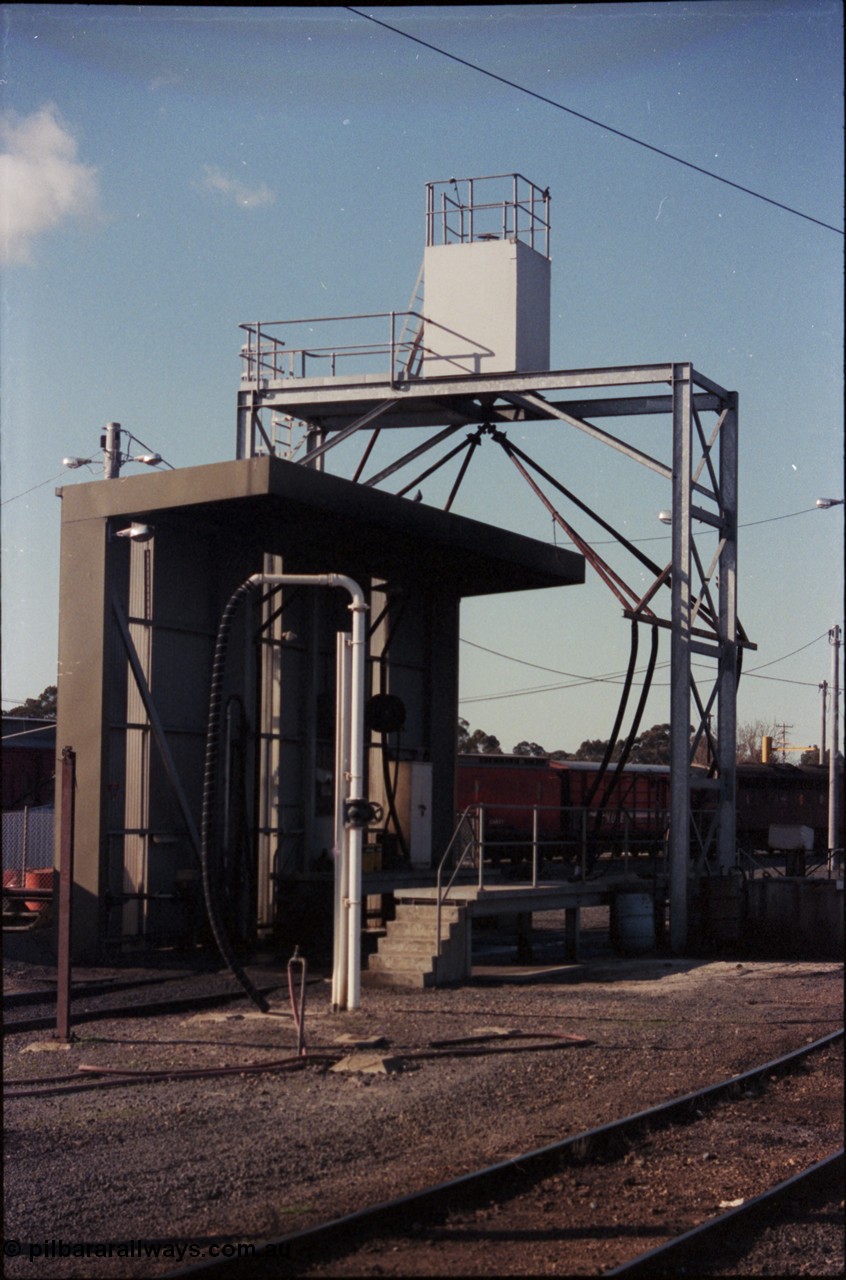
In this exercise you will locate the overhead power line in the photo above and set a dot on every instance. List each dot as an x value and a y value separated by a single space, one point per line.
577 681
41 483
579 115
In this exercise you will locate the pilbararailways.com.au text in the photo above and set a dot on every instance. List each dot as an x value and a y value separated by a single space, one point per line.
179 1251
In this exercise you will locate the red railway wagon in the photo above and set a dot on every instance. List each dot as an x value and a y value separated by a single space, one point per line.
510 788
626 810
782 795
630 809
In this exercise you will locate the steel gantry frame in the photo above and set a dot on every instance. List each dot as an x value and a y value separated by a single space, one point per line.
695 600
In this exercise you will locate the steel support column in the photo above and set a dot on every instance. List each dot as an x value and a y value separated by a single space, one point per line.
680 660
728 631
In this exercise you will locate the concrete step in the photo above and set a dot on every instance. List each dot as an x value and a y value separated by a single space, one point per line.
397 978
425 930
427 911
408 953
418 947
380 963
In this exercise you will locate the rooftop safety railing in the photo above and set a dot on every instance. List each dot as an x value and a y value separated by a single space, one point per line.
393 345
505 206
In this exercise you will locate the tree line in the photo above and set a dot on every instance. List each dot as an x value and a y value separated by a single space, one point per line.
650 747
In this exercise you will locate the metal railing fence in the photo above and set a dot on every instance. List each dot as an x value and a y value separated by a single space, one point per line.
275 351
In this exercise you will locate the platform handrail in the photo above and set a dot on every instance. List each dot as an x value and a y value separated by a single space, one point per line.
267 356
472 843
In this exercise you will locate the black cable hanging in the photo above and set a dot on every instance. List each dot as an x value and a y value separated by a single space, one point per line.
390 783
511 450
210 784
638 716
621 710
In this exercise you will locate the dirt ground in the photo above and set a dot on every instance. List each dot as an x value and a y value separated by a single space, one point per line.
179 1166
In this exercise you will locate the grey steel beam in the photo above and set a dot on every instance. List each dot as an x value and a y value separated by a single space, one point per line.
727 668
617 407
548 409
680 661
707 384
363 421
322 393
155 722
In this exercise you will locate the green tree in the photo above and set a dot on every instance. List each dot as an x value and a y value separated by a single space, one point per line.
476 742
41 708
652 746
594 749
529 749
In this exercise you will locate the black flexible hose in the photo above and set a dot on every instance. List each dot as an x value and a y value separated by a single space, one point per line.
391 783
638 716
621 711
210 781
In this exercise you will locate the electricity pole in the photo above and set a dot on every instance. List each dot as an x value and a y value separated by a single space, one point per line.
833 760
110 444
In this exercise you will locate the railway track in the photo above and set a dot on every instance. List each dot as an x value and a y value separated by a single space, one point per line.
92 1002
497 1204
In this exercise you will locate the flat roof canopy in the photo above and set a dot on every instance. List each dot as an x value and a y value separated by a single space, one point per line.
326 524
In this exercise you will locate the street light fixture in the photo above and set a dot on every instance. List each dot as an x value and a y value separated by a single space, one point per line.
825 503
113 458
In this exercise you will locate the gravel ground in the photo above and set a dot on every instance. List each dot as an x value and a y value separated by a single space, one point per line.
182 1163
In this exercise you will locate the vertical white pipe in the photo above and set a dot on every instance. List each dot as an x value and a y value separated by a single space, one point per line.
358 608
340 852
354 834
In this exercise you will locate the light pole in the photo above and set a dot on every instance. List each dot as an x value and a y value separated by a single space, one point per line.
113 459
833 757
834 721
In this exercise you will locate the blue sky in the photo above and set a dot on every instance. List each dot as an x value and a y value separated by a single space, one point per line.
170 173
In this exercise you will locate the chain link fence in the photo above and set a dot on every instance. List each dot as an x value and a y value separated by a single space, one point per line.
28 839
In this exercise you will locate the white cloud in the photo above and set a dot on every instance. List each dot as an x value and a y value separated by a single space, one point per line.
245 197
42 183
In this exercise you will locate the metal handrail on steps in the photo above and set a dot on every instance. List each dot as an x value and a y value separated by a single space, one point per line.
473 842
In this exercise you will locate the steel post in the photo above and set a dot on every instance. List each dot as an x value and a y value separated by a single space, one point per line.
65 895
834 779
111 451
680 661
727 662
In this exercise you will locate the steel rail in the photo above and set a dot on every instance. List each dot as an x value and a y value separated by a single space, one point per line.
713 1235
84 990
179 1004
89 1077
289 1254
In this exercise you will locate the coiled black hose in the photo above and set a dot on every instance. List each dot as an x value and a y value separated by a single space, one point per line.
210 785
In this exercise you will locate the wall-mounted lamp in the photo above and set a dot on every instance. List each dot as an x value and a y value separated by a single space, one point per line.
137 532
